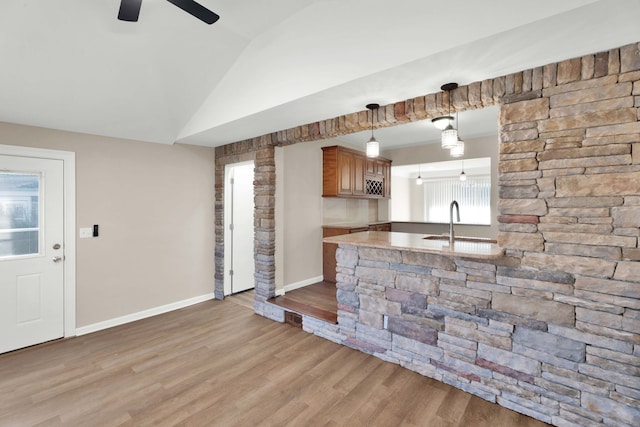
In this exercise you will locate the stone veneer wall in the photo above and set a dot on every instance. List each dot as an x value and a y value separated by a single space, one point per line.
552 330
261 151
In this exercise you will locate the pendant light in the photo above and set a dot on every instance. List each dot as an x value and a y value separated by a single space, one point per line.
442 122
419 178
463 176
372 147
457 150
449 134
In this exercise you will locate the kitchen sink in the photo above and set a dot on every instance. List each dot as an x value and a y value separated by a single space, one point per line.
461 239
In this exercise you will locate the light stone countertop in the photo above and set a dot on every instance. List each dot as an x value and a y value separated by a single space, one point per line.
473 248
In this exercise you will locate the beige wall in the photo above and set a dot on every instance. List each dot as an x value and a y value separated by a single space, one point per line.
155 207
304 210
402 193
301 171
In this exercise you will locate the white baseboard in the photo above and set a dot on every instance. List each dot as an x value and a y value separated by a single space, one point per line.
142 314
302 283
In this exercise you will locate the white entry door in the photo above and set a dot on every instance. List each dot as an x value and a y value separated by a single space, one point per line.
31 251
239 245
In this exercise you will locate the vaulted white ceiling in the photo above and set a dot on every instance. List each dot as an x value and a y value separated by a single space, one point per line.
268 65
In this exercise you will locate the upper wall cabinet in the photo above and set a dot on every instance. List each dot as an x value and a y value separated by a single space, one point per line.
349 173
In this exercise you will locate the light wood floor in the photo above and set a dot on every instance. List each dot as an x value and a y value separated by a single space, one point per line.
245 299
219 364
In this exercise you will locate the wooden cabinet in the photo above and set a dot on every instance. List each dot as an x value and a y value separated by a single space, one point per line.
376 166
343 173
357 175
329 249
380 227
387 182
349 173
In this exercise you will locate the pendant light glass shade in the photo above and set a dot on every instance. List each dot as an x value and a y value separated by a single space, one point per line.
373 148
458 149
449 137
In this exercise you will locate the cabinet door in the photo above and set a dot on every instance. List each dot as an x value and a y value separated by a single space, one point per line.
345 168
371 166
329 261
387 180
359 187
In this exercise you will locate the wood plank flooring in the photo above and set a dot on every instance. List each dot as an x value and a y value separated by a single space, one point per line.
317 300
244 298
219 364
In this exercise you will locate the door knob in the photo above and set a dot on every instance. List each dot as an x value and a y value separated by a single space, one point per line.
57 259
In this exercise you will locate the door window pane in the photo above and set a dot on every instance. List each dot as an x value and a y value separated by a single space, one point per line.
19 214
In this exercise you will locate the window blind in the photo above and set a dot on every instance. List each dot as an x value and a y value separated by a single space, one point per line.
473 197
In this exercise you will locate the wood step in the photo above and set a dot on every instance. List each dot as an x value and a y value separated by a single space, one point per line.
304 309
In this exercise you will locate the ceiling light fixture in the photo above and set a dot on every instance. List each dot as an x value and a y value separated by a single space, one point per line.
442 122
463 176
373 148
449 133
419 178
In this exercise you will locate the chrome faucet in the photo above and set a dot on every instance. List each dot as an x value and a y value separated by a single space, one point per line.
454 203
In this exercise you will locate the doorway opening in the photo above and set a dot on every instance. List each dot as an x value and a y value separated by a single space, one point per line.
239 264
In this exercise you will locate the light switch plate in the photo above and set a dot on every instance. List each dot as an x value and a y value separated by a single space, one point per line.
86 232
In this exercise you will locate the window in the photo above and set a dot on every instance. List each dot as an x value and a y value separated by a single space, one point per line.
429 202
473 197
19 214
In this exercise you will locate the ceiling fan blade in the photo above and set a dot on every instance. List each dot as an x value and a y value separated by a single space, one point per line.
197 10
129 10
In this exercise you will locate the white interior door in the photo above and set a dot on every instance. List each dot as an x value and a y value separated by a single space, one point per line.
31 251
239 244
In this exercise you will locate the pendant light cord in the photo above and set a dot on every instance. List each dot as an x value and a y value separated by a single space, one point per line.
372 110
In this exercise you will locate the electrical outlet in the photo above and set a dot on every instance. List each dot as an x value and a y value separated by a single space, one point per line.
86 232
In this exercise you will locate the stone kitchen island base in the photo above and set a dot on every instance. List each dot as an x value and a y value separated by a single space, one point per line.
483 325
